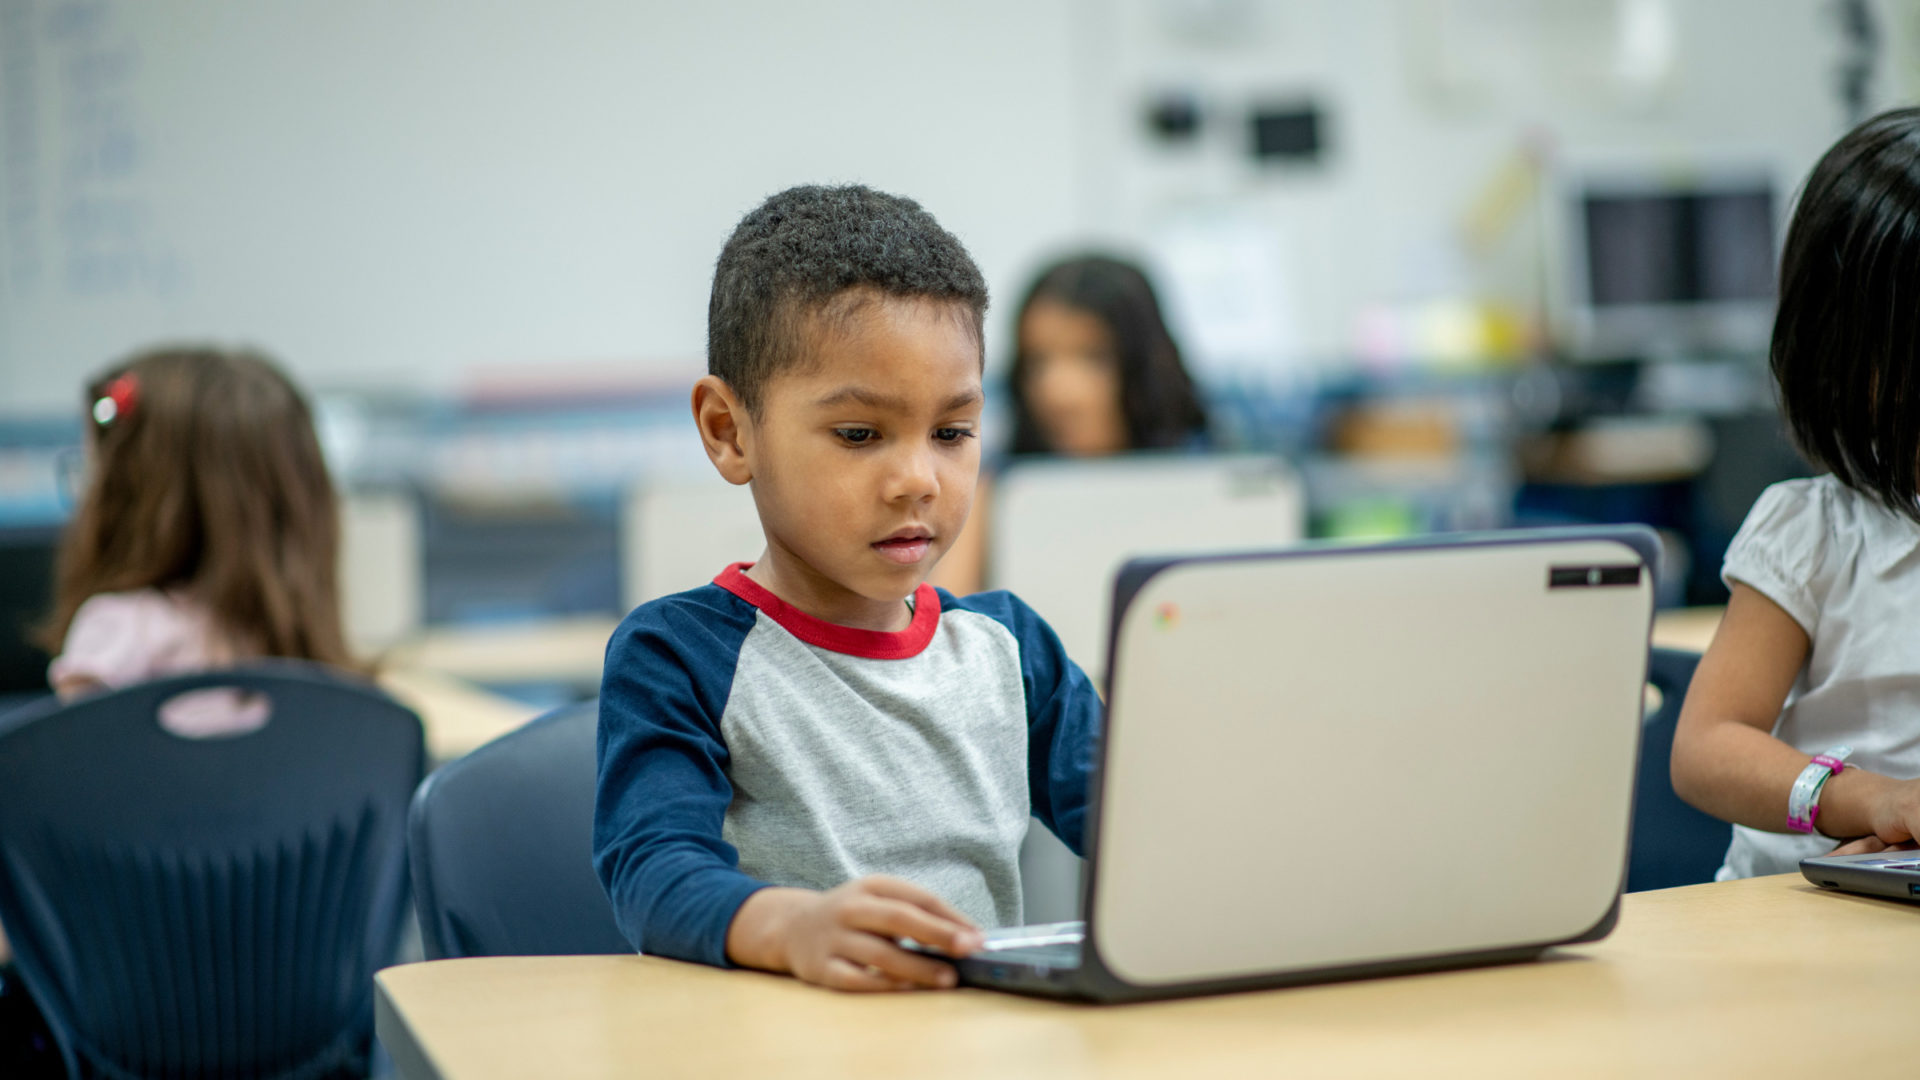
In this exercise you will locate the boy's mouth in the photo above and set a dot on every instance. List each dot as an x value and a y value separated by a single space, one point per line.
906 546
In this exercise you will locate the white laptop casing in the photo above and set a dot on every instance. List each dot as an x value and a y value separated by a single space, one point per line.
1334 762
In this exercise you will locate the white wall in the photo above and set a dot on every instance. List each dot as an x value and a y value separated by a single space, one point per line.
1425 99
393 195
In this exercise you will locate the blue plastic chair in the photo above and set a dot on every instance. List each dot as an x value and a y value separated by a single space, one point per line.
502 847
209 907
1673 843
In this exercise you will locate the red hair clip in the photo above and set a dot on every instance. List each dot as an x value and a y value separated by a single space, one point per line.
118 400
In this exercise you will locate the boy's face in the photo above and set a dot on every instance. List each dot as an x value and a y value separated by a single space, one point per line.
863 461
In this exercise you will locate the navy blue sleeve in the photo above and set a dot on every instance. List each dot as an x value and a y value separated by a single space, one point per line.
663 790
1063 715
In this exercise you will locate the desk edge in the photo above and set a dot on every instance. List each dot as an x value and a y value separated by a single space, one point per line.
410 1059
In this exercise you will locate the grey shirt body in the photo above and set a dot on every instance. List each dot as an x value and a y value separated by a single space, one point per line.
844 766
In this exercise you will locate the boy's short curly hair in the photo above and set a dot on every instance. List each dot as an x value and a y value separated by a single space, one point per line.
813 252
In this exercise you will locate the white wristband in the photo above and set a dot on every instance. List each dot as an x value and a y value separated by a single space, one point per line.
1803 800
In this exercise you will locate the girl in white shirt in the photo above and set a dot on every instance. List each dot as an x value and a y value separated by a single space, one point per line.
1820 647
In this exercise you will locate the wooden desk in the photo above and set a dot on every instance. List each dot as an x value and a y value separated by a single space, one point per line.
442 673
568 650
434 673
459 718
571 650
1768 977
1687 628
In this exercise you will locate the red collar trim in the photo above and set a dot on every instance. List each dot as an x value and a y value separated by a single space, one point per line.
871 644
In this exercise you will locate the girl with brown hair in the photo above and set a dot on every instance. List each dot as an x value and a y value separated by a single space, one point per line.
206 536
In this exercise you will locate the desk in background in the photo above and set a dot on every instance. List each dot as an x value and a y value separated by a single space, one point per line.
571 650
439 673
567 651
459 718
1759 978
1691 629
442 675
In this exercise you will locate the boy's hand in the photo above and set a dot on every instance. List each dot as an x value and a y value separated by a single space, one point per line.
845 937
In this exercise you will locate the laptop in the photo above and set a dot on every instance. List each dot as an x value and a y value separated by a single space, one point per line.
1894 874
1060 528
1334 762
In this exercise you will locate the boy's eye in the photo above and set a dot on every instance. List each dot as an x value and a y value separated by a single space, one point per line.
856 435
952 434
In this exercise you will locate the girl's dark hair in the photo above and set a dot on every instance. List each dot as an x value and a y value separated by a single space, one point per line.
208 478
1158 400
1846 340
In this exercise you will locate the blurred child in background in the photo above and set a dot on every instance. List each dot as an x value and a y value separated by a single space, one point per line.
206 534
1095 372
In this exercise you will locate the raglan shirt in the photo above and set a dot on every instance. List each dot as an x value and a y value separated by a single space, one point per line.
744 743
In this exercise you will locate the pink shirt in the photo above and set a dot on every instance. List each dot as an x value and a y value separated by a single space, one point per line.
119 639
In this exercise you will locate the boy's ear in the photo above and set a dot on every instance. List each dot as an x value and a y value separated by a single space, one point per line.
725 428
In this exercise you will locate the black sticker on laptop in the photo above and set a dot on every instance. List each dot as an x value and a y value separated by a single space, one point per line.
1592 577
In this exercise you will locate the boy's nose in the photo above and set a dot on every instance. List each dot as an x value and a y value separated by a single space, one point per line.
914 477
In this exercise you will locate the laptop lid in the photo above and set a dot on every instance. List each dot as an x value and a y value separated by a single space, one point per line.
1338 758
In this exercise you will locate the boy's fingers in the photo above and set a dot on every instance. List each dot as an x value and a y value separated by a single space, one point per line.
895 889
897 963
897 919
842 974
1862 846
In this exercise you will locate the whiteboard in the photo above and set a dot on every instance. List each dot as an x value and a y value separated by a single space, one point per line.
388 195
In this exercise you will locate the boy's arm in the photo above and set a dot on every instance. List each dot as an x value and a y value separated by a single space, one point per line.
675 885
663 794
1064 715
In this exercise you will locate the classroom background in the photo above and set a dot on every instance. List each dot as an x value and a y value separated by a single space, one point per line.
1434 265
1459 264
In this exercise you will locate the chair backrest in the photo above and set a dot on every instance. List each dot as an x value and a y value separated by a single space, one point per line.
1673 843
502 847
209 907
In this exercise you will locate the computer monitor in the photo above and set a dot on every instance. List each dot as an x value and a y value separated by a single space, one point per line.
1658 268
1061 528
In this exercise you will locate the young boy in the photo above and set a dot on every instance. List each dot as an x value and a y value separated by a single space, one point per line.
819 754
